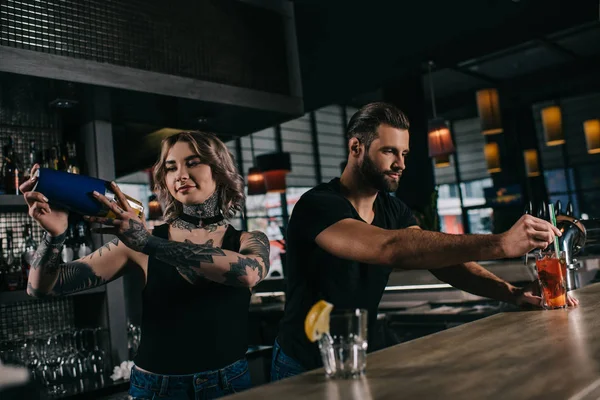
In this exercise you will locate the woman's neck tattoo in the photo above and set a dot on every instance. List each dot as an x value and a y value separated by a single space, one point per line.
209 208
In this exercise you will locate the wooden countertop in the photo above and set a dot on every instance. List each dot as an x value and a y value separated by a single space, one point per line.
515 355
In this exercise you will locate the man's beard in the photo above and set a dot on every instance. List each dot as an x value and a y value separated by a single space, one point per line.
376 178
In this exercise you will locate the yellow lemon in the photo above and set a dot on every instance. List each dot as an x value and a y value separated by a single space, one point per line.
317 320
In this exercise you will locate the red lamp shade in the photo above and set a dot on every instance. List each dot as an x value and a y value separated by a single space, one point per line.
439 138
275 181
275 167
256 182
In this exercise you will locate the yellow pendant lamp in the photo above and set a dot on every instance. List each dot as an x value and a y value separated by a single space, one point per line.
488 107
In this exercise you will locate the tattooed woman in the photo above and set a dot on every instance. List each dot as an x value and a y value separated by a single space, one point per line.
198 270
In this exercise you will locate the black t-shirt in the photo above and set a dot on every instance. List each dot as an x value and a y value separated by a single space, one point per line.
313 274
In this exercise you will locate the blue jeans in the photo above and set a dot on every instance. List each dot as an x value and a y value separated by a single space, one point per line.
282 365
204 385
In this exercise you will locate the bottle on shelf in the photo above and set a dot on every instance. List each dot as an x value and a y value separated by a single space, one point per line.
14 277
31 159
72 164
10 169
53 160
69 249
45 159
28 250
62 152
83 244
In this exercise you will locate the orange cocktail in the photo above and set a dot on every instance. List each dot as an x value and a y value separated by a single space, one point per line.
552 273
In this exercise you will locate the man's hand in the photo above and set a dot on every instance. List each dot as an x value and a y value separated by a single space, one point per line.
526 234
127 226
531 294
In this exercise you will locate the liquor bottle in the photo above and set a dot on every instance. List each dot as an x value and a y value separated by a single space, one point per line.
30 160
10 170
72 164
83 247
53 159
28 250
14 278
68 251
63 163
46 159
3 268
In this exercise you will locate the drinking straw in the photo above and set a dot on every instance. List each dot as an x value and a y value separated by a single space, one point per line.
553 220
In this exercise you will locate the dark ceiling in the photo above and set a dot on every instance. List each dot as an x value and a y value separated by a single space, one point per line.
538 50
351 47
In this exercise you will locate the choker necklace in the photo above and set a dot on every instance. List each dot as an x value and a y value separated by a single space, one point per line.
200 215
200 222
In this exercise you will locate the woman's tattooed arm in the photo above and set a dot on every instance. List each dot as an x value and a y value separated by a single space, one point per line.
49 276
194 261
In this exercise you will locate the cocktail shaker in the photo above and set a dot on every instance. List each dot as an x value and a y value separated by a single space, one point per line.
74 193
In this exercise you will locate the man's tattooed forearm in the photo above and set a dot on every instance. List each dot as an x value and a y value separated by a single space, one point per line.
258 244
238 270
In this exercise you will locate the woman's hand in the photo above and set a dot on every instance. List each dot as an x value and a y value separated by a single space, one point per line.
127 226
52 220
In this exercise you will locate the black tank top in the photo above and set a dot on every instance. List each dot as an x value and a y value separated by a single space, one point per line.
188 328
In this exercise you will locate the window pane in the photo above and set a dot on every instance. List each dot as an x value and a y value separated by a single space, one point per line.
236 223
481 220
470 145
589 177
591 200
449 209
262 205
452 224
556 181
473 191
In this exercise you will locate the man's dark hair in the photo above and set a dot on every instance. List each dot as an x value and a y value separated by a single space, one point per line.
364 123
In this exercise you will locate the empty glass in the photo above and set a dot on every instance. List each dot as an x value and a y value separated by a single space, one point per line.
344 349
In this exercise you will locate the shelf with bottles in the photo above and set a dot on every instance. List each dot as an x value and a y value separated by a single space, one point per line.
18 156
17 251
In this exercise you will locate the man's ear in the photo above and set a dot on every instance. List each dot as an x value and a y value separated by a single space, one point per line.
354 147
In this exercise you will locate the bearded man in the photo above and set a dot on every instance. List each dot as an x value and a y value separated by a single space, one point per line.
346 236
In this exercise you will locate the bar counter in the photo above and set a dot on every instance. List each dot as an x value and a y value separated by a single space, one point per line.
513 355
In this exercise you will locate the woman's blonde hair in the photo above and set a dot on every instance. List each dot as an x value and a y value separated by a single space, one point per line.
213 152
